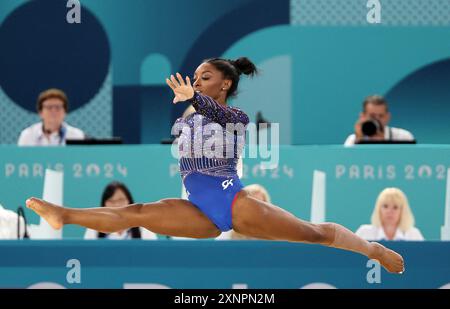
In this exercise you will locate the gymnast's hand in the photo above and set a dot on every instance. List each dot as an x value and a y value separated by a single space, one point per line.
182 90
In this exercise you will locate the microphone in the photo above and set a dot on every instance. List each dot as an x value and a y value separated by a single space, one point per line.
260 120
21 213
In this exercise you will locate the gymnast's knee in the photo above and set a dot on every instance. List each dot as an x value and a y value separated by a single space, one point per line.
325 233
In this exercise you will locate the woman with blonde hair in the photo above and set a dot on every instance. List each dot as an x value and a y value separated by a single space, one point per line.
392 219
258 192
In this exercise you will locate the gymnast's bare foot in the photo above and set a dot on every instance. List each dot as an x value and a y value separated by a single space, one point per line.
391 260
50 212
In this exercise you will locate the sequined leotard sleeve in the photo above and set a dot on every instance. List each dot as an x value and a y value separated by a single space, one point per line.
209 111
216 112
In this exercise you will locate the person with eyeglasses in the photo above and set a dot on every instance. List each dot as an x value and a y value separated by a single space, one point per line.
52 107
117 194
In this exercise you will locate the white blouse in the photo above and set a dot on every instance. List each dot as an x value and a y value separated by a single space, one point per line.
371 232
145 234
34 136
8 224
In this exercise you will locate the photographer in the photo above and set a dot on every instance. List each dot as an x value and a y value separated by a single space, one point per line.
373 122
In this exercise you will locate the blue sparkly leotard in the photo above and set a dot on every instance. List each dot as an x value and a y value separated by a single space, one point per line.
211 180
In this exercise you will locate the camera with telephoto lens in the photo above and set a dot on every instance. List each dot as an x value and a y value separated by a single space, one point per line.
371 127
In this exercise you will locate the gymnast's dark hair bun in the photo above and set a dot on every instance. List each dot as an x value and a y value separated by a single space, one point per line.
245 66
232 70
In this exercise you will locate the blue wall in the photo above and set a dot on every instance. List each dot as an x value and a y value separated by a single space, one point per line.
319 59
354 178
206 264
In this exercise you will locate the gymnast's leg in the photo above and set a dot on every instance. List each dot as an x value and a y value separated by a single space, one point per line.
258 219
174 217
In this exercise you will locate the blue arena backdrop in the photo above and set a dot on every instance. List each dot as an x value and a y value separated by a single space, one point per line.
226 265
354 178
318 60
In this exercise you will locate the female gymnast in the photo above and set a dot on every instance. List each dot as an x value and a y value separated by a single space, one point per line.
216 201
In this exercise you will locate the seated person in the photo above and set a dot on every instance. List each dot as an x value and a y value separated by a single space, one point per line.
116 194
52 106
8 224
373 124
392 219
258 192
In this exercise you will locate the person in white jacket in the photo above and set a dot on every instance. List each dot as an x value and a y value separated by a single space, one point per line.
392 219
8 224
52 130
